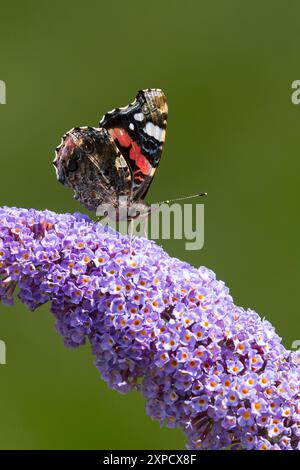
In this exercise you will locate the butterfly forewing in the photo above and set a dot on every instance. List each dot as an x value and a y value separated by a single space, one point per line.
139 132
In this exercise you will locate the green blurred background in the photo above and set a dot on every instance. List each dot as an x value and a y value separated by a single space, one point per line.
227 69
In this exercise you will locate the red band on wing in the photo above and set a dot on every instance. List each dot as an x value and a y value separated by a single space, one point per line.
141 161
123 138
135 153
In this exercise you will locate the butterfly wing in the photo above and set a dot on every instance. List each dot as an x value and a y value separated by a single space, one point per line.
89 162
139 132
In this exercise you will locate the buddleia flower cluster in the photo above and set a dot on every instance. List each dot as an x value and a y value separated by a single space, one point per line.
157 325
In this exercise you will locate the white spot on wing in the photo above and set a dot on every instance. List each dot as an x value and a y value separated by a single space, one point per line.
131 126
154 131
120 162
138 116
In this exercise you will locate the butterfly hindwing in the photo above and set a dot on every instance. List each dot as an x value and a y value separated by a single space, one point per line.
89 162
139 132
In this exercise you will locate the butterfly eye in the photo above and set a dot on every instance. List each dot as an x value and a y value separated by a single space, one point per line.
73 164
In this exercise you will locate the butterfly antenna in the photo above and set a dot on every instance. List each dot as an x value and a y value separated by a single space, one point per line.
167 201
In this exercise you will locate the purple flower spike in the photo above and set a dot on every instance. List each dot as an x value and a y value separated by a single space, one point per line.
158 325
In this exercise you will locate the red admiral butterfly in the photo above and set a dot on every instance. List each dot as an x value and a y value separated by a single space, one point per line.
118 158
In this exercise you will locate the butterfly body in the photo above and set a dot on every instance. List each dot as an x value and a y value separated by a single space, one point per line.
117 160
